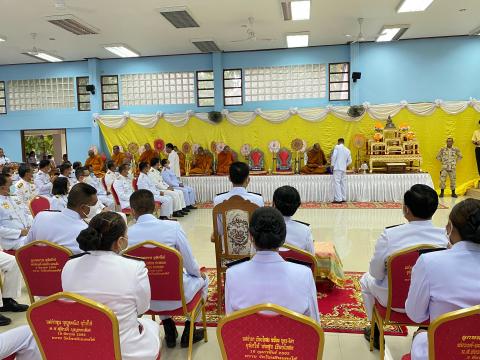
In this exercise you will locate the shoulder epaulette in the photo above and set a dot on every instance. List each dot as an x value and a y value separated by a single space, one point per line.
254 193
392 226
222 193
236 262
301 222
132 257
79 255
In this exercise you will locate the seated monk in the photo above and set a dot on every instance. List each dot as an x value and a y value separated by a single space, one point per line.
202 164
148 154
316 162
181 160
225 159
96 162
117 156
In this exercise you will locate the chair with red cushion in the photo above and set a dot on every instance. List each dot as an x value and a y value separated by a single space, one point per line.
260 330
104 184
165 272
39 203
67 325
135 184
10 357
126 211
41 263
399 269
295 254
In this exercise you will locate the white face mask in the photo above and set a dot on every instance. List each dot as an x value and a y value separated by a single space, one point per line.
92 211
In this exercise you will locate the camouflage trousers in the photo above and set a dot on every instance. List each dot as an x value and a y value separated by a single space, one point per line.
443 178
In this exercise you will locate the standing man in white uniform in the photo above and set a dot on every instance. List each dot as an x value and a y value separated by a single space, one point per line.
144 182
169 233
172 180
63 227
174 159
341 159
24 188
42 181
419 205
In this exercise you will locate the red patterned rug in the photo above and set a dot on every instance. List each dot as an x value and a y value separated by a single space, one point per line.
341 309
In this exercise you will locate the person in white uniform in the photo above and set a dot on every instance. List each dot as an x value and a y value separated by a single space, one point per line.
341 159
123 186
267 277
24 188
66 171
15 217
3 159
177 195
444 281
63 227
89 177
174 159
419 205
103 275
287 200
169 233
43 182
111 174
144 182
172 180
59 198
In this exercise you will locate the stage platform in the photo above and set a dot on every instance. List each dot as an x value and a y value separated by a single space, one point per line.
316 188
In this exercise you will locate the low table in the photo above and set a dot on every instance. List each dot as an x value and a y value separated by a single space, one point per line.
413 161
329 265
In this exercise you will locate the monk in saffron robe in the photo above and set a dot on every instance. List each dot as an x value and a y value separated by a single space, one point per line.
96 162
316 162
202 165
117 156
225 159
148 154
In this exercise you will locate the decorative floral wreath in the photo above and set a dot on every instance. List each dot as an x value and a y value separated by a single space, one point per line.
245 150
103 156
274 146
297 144
186 147
132 148
195 148
159 145
219 146
213 146
359 141
94 148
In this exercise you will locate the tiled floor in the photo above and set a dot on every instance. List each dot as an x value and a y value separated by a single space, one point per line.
354 233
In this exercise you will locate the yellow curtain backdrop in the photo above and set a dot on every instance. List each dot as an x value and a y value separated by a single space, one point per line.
431 131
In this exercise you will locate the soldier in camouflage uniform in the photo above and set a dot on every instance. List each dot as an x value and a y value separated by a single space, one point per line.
448 156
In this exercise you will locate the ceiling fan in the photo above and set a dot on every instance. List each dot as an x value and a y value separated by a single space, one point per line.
360 37
250 32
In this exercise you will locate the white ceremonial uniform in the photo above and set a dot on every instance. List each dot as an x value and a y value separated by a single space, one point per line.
25 191
110 177
374 284
299 234
268 278
239 191
43 184
21 342
14 216
174 163
58 202
11 284
102 195
170 233
176 195
124 188
144 182
341 158
72 180
172 180
442 281
4 160
61 228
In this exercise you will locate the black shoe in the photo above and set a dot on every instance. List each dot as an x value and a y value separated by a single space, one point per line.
163 217
11 305
191 207
4 321
184 213
453 194
186 210
441 193
171 333
177 214
336 202
376 336
198 335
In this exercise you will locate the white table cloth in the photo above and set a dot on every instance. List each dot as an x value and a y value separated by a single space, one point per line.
316 188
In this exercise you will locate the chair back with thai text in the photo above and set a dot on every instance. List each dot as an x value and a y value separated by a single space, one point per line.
41 263
455 335
260 331
39 203
295 254
70 326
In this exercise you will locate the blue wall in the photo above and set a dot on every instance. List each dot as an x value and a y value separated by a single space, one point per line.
412 70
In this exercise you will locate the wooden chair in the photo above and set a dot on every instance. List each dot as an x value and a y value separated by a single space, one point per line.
126 211
249 333
231 220
37 204
295 254
66 325
165 272
399 269
41 263
454 335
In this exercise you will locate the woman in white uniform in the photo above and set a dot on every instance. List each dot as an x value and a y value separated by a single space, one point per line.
444 281
60 190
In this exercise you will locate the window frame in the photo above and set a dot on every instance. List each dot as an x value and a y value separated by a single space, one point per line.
113 92
236 87
83 93
197 93
338 82
4 97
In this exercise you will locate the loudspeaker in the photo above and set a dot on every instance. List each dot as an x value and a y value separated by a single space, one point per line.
356 76
90 89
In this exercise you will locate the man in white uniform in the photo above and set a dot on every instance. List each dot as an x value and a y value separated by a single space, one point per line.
102 195
111 174
43 182
63 227
174 159
172 180
15 217
123 186
3 159
341 158
169 233
419 205
66 171
144 182
24 188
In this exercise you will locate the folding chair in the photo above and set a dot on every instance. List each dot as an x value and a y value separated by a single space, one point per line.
126 211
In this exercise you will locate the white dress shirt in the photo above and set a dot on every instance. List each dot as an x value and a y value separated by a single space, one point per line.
58 202
14 216
105 199
61 228
4 160
25 191
124 188
145 182
442 281
299 235
268 278
71 180
168 175
341 158
43 184
110 177
176 195
239 191
174 163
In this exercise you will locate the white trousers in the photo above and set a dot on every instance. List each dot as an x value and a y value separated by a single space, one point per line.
339 181
177 198
167 205
420 347
107 200
19 341
188 193
11 277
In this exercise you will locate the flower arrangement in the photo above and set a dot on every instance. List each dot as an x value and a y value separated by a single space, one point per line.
378 137
159 145
404 127
186 147
378 126
297 144
245 150
274 146
410 135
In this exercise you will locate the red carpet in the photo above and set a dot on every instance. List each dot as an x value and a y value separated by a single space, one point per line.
341 309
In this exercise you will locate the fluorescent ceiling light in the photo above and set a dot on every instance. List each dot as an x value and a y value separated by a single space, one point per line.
121 50
297 40
300 10
3 38
413 5
392 32
42 55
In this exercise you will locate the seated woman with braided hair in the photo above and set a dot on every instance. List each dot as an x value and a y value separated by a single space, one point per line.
444 281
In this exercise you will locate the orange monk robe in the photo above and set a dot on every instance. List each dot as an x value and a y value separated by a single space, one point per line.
181 160
147 155
202 165
118 158
97 164
315 163
225 159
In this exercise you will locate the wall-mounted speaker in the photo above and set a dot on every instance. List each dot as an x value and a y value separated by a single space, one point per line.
356 76
90 89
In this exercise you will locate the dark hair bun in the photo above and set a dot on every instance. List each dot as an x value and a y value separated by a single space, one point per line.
89 239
